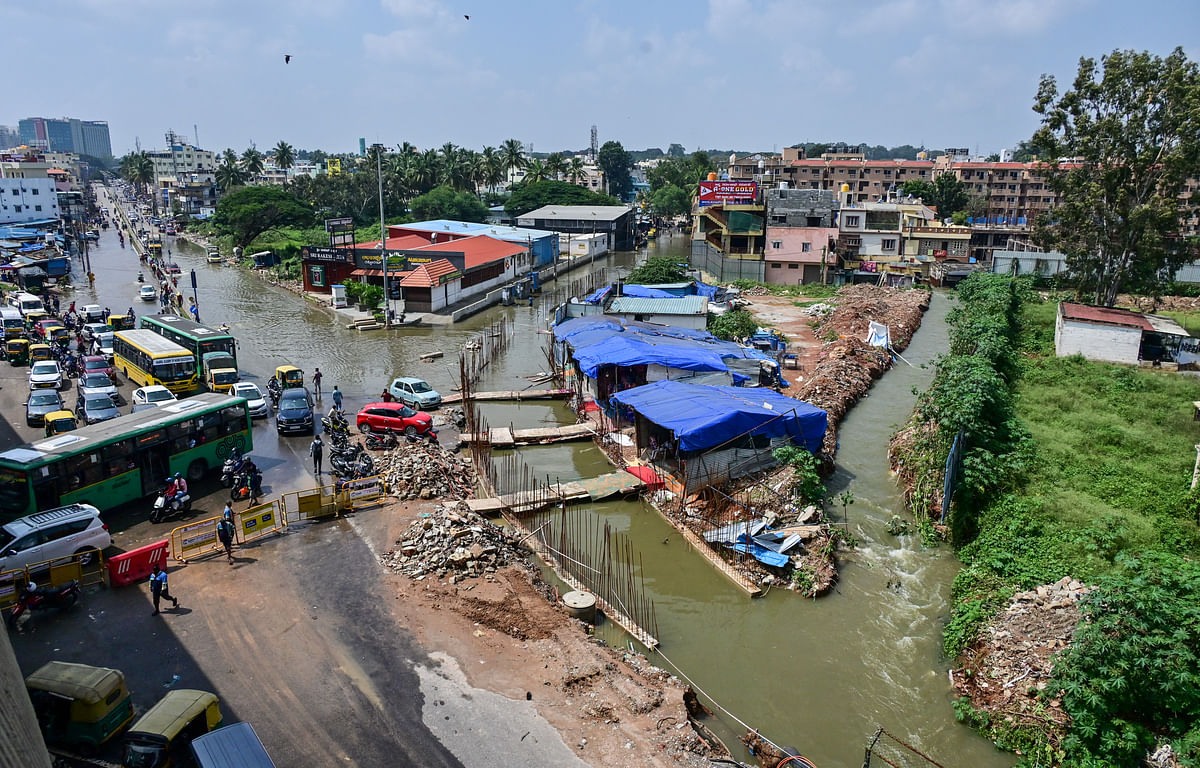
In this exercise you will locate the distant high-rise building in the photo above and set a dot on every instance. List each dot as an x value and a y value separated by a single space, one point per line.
67 134
9 137
362 147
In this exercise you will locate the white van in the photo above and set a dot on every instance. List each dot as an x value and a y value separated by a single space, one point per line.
14 323
26 303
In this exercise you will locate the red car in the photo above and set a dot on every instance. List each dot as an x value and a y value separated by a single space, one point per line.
397 417
97 364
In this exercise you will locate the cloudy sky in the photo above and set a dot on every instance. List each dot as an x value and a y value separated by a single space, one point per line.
704 73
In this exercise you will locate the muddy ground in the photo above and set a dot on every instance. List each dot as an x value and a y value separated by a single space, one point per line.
612 707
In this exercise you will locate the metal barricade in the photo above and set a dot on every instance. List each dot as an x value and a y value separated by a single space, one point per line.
195 539
85 567
11 584
258 521
311 504
364 492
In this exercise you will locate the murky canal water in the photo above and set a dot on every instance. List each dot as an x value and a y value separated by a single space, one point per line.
821 675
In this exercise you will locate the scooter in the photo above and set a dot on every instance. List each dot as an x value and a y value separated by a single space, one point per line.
43 598
382 442
335 426
164 507
240 488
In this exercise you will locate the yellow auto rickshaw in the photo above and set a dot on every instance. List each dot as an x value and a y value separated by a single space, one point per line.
58 422
56 334
17 351
33 318
79 705
162 736
39 352
120 322
288 376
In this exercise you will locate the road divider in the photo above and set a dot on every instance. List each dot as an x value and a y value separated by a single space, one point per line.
136 565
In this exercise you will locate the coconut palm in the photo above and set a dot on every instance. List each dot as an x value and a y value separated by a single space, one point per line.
493 167
252 163
512 155
575 169
285 158
555 165
229 157
229 175
535 171
138 168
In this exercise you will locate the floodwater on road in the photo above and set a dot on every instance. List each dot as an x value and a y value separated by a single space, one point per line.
817 674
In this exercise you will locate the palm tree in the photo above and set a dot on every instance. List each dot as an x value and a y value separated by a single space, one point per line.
555 165
512 155
493 167
535 171
285 158
252 163
406 149
575 169
229 175
138 168
229 157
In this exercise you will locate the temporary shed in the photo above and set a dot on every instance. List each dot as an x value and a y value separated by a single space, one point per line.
682 311
1116 335
701 417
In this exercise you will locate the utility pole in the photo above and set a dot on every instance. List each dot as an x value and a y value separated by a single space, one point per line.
387 297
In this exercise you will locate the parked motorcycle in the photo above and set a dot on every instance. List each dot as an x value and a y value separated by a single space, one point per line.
165 506
386 441
34 599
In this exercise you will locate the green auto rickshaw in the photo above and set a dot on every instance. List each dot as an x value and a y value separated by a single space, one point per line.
17 351
288 376
39 352
163 735
79 705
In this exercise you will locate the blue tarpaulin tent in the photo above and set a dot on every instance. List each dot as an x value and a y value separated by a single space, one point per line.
597 296
703 417
645 292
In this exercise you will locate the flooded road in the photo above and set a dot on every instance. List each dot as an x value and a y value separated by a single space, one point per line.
820 675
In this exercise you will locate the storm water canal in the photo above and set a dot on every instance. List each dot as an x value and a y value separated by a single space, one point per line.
817 674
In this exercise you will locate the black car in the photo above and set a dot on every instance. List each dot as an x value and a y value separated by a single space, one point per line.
95 408
295 411
41 402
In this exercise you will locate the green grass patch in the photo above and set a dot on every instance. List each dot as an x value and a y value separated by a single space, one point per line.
812 290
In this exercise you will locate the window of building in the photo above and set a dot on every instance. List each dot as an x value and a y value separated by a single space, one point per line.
37 207
35 190
777 244
16 209
793 266
775 265
805 247
852 221
889 244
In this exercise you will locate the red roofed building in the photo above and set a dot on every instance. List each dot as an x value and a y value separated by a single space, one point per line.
1119 335
459 270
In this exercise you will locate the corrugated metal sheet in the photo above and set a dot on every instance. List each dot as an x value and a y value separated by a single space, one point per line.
1106 315
684 305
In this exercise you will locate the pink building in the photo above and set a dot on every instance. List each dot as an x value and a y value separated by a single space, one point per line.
793 254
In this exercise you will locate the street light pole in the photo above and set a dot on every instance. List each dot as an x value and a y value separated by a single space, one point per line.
387 299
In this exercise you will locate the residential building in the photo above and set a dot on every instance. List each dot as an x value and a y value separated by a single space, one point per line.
800 255
615 221
25 199
871 237
1118 335
180 158
765 167
790 207
187 175
936 241
83 137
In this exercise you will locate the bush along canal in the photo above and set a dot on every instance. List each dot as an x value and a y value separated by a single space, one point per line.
1075 623
821 675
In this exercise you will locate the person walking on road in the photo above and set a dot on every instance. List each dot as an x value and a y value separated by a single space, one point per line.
227 513
337 397
159 589
317 382
315 449
225 534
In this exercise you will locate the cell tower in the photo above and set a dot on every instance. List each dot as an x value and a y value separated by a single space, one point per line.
595 146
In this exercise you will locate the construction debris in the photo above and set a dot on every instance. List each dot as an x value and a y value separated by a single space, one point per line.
452 539
425 470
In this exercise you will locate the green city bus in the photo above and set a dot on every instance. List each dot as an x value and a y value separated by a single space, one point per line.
147 358
124 459
198 339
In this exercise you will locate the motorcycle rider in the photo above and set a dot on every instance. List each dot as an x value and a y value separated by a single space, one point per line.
180 484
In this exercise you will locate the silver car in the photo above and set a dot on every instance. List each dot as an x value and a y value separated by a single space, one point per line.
98 384
93 409
254 398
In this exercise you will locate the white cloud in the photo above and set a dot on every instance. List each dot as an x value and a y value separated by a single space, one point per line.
1011 17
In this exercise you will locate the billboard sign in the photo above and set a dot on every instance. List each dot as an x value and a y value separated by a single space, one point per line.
333 166
332 225
714 192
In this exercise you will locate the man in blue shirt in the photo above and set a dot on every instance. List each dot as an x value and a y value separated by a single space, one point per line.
158 588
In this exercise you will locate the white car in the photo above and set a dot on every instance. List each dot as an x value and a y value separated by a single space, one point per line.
153 395
45 374
75 529
90 330
92 313
254 398
147 293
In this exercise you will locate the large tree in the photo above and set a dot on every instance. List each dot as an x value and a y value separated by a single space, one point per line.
1121 143
248 212
447 203
949 195
615 162
671 200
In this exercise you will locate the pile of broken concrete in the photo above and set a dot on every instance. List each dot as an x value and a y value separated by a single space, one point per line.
425 470
454 542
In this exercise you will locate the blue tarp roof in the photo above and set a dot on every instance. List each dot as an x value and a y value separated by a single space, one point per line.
597 296
702 416
707 291
645 292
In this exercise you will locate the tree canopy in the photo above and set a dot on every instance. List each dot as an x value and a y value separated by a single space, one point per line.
1124 139
671 200
615 162
445 203
529 196
945 193
657 269
248 212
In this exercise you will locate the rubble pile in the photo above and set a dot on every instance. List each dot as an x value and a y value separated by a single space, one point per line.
425 470
857 305
1013 658
819 309
846 367
452 540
